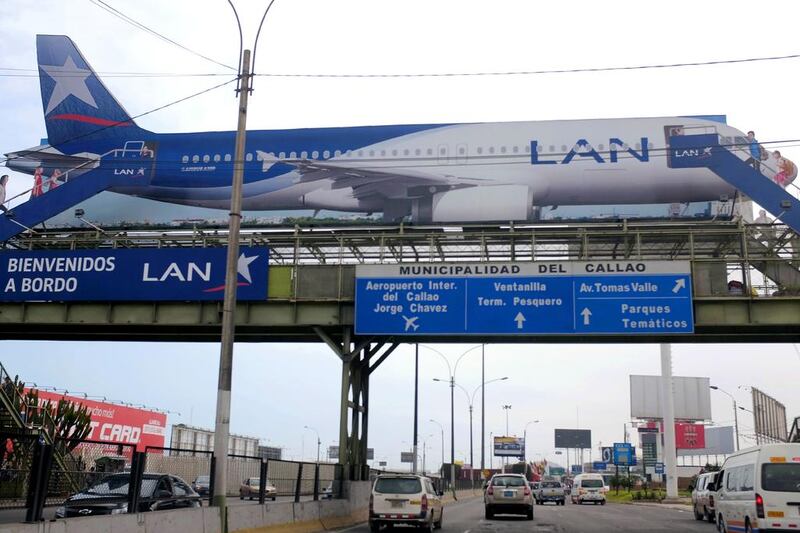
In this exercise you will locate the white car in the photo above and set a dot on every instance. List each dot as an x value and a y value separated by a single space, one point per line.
758 489
404 499
588 488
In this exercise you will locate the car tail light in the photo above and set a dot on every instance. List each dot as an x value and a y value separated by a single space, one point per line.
424 508
759 506
527 490
371 504
490 490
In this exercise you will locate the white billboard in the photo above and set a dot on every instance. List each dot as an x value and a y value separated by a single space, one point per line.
719 441
692 397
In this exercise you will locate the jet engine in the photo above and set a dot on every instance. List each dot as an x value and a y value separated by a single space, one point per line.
498 203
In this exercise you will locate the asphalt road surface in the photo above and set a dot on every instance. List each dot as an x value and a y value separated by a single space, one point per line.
467 517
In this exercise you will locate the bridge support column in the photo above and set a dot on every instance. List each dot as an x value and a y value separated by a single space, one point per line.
359 360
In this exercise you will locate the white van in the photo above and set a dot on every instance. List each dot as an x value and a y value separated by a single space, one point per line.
758 489
588 488
406 499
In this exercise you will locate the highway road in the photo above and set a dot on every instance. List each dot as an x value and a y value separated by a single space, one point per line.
467 517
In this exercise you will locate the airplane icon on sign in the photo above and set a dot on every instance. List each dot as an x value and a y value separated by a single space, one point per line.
411 322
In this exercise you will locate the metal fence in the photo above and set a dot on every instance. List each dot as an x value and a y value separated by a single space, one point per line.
79 478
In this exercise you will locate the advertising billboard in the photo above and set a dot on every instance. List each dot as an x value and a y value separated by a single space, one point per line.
718 441
117 424
769 416
573 438
690 436
691 396
153 274
509 447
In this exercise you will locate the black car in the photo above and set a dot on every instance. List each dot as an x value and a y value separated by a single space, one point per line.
202 485
110 496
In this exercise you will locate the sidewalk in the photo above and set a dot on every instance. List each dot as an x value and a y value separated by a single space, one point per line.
686 507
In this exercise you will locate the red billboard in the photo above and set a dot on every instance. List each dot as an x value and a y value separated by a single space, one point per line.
117 424
690 436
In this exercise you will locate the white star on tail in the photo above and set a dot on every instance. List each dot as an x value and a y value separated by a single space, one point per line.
70 80
243 266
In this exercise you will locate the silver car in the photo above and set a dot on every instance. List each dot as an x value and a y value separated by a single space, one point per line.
508 494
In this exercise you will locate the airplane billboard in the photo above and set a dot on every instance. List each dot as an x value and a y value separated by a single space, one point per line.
509 447
415 173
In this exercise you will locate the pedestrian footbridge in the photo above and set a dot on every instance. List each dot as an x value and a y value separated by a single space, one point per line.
746 280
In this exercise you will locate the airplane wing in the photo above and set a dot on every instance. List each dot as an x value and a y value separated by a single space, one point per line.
385 182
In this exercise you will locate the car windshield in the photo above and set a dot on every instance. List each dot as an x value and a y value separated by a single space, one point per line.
551 485
781 477
202 479
398 485
254 481
592 483
508 481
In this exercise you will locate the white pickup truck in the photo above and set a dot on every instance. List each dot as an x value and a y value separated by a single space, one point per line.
550 491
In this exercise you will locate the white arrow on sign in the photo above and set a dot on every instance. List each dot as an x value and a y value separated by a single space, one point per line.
679 284
586 314
519 319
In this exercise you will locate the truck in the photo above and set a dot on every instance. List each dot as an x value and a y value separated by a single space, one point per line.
550 491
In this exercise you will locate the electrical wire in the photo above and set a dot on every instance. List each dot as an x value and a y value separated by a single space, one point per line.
539 72
122 16
93 132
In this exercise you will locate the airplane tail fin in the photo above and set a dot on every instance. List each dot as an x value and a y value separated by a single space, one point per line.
77 106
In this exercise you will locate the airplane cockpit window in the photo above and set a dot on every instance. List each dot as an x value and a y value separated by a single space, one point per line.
217 158
248 157
741 141
185 159
206 158
195 159
227 158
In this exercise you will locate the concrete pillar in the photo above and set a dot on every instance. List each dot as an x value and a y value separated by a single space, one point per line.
668 406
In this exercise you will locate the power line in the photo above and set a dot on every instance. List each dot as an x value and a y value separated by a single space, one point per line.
537 72
122 16
93 132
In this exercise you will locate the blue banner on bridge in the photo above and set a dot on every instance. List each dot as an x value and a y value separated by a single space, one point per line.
156 274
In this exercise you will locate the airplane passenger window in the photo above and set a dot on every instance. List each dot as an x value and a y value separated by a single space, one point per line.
461 150
638 146
372 153
394 152
625 146
383 153
282 155
337 153
326 154
430 151
217 158
361 153
491 149
600 147
315 154
528 148
564 148
405 152
185 159
227 157
292 155
417 152
206 158
442 151
515 149
552 148
480 150
502 149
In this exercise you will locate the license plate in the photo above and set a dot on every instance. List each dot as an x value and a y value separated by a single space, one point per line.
508 494
397 504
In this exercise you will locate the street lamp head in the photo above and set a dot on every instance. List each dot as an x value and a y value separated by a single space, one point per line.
714 387
504 378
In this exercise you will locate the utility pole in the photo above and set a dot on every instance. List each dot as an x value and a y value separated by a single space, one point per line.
668 401
506 408
453 434
483 407
416 403
222 424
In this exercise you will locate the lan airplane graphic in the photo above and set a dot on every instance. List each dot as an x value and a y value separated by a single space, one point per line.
420 173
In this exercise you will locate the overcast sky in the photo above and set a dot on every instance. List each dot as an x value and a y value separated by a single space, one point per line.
280 388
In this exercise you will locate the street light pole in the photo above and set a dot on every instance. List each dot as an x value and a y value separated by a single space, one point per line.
452 435
506 408
318 440
735 412
441 427
416 403
483 406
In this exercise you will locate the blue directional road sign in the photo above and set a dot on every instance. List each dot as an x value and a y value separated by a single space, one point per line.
576 469
524 298
659 468
599 465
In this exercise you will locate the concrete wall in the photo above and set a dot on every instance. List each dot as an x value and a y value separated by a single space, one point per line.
303 517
